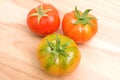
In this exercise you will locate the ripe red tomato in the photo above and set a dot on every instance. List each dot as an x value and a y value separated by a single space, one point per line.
58 55
43 20
79 26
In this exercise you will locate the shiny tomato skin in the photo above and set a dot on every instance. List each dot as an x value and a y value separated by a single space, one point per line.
78 32
47 24
62 65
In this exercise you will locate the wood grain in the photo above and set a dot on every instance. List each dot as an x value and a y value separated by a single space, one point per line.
100 55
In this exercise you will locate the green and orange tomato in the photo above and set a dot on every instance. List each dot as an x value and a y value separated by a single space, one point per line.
58 55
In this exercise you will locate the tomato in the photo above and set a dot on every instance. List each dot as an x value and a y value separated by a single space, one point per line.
80 26
58 55
43 20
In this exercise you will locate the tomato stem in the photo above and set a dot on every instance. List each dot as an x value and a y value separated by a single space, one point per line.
83 18
57 48
40 12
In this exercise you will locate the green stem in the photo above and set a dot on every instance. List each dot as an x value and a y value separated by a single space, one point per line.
83 18
57 48
40 12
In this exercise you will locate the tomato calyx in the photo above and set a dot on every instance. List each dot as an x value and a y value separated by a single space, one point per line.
40 12
83 18
57 49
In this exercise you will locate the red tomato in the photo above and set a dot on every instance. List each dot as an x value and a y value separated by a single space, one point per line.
43 20
79 26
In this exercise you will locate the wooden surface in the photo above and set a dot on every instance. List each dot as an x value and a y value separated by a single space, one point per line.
100 56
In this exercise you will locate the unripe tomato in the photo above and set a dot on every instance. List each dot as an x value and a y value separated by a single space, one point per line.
58 55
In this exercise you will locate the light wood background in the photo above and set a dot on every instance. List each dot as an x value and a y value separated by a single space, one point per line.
100 56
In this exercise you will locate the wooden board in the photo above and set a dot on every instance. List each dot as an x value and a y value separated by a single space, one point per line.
100 56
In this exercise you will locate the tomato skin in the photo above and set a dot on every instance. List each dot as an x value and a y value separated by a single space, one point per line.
47 24
78 32
62 65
